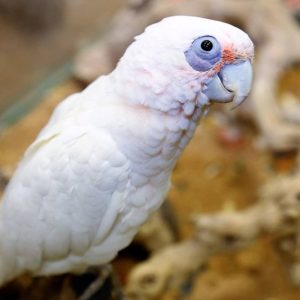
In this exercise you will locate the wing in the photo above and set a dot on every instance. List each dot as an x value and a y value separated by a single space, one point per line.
64 197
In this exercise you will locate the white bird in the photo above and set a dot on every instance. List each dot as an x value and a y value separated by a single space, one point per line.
102 164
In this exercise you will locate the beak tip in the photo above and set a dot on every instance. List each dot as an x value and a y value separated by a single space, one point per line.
233 84
238 100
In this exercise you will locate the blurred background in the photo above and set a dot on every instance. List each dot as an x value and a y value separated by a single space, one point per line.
230 228
40 37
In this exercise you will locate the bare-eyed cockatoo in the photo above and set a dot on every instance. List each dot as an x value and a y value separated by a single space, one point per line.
103 162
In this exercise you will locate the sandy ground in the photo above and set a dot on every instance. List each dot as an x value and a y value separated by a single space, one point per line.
210 175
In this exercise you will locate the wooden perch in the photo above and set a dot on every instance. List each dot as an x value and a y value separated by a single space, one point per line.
277 214
168 268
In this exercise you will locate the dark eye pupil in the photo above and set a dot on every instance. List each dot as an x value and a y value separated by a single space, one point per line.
206 45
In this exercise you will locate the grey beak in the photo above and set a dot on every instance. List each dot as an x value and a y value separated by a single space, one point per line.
232 83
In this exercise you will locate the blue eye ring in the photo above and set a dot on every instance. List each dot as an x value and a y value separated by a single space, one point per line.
203 53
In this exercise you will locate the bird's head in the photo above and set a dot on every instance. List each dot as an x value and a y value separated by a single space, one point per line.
184 61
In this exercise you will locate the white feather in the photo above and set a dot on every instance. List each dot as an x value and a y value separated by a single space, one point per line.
103 162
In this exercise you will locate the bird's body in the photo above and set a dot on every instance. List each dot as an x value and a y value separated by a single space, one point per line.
103 162
91 186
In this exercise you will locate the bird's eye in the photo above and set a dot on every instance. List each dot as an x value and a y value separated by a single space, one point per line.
203 53
206 45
